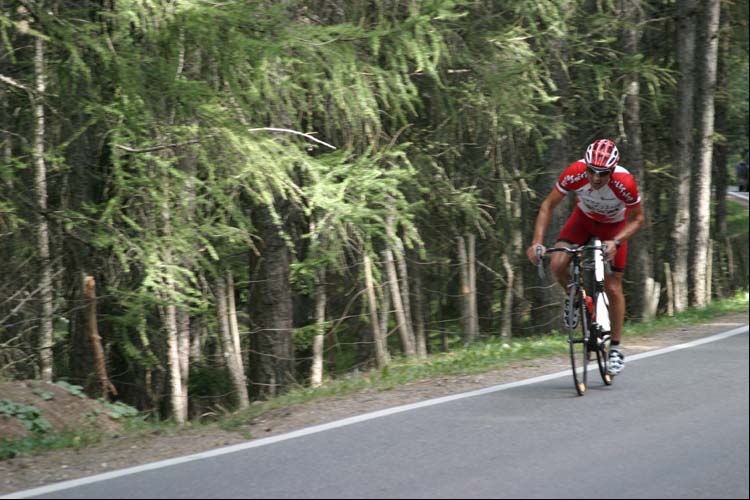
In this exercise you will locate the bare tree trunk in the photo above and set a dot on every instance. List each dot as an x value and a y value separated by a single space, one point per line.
700 217
709 270
385 308
234 328
463 267
471 267
381 349
316 375
682 151
396 246
419 327
403 326
466 260
227 343
177 392
506 328
512 191
403 271
92 330
183 349
40 184
670 289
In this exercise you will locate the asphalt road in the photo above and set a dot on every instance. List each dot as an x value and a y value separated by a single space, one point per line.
674 425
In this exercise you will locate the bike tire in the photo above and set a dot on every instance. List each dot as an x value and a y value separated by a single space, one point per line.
578 341
602 359
602 355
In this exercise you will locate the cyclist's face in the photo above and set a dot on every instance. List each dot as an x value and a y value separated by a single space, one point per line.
598 179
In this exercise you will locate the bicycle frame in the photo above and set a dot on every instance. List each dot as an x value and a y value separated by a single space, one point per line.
595 328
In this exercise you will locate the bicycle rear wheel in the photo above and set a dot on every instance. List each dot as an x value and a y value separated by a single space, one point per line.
578 340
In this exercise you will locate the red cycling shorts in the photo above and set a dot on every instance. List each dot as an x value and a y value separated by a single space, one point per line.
579 229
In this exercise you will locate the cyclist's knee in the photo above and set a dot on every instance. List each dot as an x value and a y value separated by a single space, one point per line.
558 267
613 288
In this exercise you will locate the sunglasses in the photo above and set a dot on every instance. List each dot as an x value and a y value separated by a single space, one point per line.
600 173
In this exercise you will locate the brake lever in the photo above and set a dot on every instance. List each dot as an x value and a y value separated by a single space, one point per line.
539 262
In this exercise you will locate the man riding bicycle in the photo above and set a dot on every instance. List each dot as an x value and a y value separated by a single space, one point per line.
609 207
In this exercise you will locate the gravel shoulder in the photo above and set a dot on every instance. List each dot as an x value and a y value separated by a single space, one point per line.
115 453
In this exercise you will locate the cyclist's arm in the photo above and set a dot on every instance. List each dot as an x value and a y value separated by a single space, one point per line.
636 219
542 222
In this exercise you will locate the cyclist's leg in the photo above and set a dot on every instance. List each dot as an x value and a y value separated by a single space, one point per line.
574 232
613 287
559 264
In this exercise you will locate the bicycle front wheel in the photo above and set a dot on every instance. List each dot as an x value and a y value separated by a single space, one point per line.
602 358
577 338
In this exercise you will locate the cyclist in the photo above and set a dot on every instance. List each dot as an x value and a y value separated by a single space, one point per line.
609 207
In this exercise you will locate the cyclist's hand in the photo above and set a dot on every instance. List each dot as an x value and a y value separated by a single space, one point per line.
531 253
611 250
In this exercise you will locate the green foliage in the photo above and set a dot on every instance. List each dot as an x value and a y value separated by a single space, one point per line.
45 395
27 415
10 448
118 410
75 390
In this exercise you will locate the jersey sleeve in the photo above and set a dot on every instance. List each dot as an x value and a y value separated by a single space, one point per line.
626 189
572 178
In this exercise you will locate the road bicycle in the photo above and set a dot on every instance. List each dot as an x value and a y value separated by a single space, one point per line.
587 298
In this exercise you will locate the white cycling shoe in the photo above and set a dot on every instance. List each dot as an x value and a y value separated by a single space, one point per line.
616 362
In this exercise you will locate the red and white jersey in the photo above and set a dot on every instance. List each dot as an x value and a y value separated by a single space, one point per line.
606 204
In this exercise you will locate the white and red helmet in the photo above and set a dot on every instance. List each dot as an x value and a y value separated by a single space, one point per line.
602 154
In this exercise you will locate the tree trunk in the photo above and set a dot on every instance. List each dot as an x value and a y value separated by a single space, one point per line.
183 349
236 372
396 246
316 375
92 330
46 293
273 346
419 327
403 271
720 160
403 326
381 349
464 286
506 327
177 392
234 328
471 267
385 309
670 289
682 151
700 217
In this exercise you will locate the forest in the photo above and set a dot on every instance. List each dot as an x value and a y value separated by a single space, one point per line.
211 201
